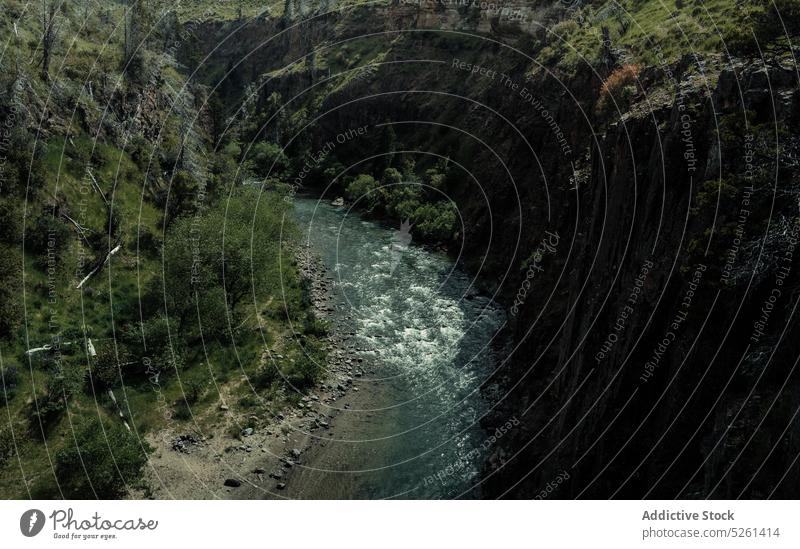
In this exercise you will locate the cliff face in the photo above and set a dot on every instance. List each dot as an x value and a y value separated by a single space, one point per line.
643 238
654 369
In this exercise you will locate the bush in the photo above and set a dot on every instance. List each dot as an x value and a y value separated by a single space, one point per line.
165 349
619 87
364 189
435 222
761 27
62 386
6 446
8 381
314 326
10 289
103 460
302 373
193 389
107 368
11 210
268 159
265 376
181 198
229 254
47 234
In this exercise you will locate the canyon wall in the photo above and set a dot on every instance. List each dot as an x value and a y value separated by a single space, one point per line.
642 238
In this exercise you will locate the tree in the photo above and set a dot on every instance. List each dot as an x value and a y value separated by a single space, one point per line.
182 197
269 160
49 35
435 221
109 365
138 22
215 260
103 460
154 347
288 10
388 144
364 189
23 169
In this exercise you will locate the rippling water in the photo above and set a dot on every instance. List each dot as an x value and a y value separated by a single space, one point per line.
424 334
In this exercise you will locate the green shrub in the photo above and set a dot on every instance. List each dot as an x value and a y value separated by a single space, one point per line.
10 290
8 384
108 367
153 348
364 189
435 221
6 446
101 461
215 261
268 159
63 385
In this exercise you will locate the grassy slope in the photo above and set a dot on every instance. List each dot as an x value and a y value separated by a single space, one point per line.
115 291
649 32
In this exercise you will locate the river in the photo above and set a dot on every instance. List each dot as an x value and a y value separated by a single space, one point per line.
424 336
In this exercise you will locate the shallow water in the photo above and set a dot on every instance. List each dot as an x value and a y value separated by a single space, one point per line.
425 336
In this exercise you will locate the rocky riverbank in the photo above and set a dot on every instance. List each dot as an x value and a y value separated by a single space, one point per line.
259 461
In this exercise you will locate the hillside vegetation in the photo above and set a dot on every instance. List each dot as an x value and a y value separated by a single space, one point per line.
139 276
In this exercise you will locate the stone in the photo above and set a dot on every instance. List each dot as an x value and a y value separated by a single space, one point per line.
247 432
232 483
281 485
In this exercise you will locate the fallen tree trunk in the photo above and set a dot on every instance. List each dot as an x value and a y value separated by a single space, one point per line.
99 266
97 187
81 230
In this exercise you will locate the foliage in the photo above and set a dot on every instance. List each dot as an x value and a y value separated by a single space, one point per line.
652 32
193 389
65 383
400 196
11 214
47 235
138 23
9 379
182 197
23 171
6 445
301 372
212 262
10 289
155 346
435 221
765 25
619 87
268 159
109 366
364 190
102 461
